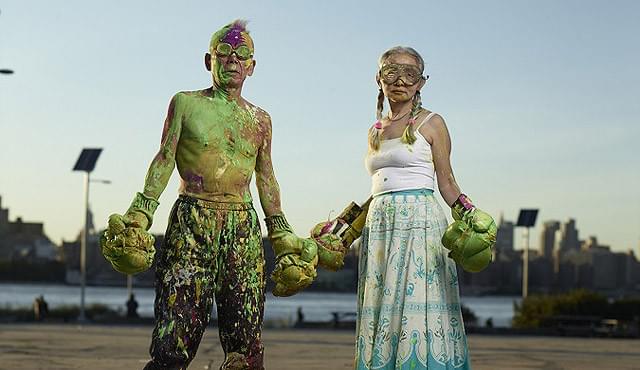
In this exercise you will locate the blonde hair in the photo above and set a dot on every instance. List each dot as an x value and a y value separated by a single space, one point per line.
408 136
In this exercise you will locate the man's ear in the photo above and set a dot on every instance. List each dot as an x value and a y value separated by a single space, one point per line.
207 61
251 67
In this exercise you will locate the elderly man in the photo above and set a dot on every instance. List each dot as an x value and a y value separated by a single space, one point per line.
213 244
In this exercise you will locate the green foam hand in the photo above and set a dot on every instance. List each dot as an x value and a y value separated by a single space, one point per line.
293 273
296 258
125 243
470 238
331 248
130 250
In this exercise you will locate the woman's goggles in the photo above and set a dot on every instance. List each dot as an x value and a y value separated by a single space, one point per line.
243 52
409 73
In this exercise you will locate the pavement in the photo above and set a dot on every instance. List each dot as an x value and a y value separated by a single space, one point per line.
71 346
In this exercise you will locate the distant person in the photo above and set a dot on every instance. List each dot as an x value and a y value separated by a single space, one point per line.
489 323
40 308
300 315
409 312
132 307
336 319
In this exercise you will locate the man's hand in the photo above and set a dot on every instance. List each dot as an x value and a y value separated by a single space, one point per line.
126 244
130 251
296 258
471 236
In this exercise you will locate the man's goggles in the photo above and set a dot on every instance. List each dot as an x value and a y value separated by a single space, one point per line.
409 73
243 52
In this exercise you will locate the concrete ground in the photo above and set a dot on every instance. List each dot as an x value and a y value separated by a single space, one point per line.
68 346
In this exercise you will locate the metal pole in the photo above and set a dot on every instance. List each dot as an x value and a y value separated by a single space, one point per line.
525 264
83 249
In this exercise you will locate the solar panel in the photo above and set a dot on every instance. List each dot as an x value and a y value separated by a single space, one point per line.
87 160
527 217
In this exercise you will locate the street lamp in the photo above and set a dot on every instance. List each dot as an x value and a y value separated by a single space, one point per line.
526 219
86 163
6 71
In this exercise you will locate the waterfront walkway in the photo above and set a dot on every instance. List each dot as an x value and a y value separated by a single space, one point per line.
68 346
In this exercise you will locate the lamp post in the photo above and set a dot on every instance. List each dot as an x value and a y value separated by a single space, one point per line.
6 71
86 163
526 219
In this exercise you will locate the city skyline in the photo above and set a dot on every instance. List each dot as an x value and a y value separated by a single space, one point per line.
540 101
510 243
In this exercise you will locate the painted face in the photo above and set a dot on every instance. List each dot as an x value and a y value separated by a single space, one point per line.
231 50
400 77
242 52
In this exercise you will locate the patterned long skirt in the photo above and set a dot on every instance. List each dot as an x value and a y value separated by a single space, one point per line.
409 313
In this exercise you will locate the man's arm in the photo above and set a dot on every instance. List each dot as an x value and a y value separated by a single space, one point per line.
140 213
268 188
296 257
164 162
126 244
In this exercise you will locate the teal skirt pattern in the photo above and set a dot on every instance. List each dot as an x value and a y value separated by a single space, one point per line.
409 314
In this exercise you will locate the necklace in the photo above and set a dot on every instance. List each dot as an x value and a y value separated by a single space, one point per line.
398 118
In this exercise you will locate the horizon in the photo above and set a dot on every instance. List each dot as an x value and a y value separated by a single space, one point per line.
541 101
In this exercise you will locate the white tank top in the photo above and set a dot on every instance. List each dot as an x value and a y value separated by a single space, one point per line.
399 166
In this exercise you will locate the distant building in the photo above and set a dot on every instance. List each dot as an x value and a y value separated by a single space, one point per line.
24 241
548 238
504 238
567 237
561 263
596 267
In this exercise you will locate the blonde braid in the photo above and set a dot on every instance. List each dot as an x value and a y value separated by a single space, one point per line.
374 133
409 136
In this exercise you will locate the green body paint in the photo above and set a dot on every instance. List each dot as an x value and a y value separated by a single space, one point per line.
217 140
216 144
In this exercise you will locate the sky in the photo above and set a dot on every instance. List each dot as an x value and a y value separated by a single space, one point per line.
541 99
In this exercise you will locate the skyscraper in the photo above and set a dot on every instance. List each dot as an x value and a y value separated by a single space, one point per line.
504 238
548 238
567 237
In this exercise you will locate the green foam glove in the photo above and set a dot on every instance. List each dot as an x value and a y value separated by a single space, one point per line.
129 251
331 250
470 237
126 244
296 258
335 236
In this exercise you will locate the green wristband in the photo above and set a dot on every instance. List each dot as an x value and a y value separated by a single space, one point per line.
145 205
277 222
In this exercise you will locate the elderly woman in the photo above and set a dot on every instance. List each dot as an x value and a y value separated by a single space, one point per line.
409 314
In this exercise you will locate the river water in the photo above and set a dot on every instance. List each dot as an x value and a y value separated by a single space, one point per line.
316 306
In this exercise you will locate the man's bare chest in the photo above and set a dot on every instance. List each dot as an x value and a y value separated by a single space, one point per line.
234 132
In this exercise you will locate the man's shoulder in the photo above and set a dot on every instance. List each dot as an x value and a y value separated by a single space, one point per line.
190 94
261 114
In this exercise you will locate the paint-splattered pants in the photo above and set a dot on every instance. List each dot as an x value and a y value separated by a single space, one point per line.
210 248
